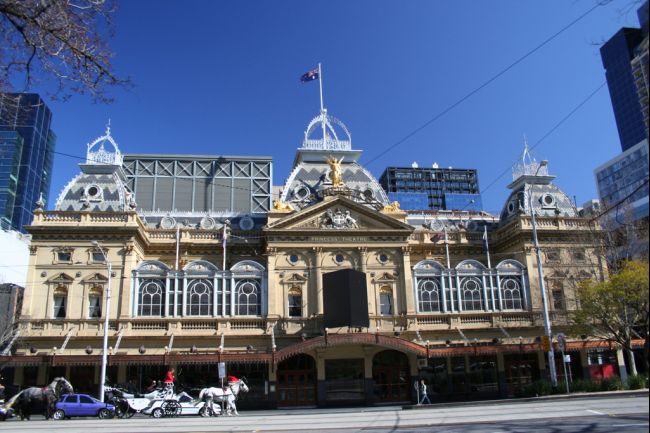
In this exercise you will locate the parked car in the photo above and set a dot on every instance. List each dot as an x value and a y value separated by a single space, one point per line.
82 405
4 412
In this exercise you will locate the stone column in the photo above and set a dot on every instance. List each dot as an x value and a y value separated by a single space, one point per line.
501 375
273 380
318 275
275 297
369 383
321 395
407 282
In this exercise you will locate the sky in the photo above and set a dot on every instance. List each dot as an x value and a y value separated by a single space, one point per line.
223 78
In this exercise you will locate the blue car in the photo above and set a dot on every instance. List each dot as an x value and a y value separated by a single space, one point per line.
82 405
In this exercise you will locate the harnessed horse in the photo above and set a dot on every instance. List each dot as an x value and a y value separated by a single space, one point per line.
227 394
47 396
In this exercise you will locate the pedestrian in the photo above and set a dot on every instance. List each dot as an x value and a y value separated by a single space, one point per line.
423 392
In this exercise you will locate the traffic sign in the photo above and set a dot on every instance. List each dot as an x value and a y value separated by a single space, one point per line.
546 343
222 370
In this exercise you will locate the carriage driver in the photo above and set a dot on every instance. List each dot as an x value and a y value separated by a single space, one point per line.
169 378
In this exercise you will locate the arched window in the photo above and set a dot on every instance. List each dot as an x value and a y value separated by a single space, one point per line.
471 293
294 302
199 297
60 303
511 289
95 303
150 297
386 301
247 297
429 295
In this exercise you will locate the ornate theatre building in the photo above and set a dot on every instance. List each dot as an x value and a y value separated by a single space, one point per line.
208 266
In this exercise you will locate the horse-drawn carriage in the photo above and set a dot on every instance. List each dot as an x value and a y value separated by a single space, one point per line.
164 403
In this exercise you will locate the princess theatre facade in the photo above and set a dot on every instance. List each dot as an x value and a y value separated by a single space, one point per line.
429 302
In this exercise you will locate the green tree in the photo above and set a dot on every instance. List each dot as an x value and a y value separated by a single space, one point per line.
617 309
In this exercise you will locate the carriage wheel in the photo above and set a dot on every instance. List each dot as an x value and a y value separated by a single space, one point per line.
171 408
122 409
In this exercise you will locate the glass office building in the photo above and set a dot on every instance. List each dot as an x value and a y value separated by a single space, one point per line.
27 115
421 188
11 148
623 176
625 58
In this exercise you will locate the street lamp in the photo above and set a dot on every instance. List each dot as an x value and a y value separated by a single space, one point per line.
542 286
102 377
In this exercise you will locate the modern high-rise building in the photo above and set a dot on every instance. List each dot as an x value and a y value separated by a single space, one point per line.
422 188
30 119
11 149
625 58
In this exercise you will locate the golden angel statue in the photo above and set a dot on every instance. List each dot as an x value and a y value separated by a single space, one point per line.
336 174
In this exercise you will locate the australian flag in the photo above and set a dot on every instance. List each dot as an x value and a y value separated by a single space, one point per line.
309 76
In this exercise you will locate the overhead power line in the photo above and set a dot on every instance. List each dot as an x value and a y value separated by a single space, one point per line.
487 82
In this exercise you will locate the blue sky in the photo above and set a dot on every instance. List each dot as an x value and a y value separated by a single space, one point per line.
222 78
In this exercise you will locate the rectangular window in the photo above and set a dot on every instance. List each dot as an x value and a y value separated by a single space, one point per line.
64 257
295 306
558 300
386 304
94 307
59 307
98 257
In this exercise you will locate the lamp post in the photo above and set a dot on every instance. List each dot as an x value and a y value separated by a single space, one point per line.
102 377
542 286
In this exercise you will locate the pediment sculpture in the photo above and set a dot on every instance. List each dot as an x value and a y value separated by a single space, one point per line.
338 219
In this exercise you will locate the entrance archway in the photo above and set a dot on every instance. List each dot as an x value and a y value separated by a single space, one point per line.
391 374
296 381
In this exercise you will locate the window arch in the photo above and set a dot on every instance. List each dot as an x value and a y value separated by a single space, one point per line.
150 297
511 288
199 297
60 299
429 295
95 303
247 297
294 302
471 293
386 307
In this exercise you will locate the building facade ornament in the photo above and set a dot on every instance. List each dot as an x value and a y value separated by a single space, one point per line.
338 219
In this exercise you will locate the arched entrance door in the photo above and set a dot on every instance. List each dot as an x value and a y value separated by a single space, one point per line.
390 371
297 381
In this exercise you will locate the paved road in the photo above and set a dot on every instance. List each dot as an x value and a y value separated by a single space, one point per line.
621 414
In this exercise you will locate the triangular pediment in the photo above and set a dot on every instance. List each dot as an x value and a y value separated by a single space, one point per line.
338 215
61 278
95 279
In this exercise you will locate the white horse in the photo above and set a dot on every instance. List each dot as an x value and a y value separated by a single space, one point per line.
227 394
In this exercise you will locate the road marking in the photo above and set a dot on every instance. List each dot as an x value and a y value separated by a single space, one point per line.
595 412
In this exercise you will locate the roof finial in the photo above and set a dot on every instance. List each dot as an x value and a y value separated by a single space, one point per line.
108 127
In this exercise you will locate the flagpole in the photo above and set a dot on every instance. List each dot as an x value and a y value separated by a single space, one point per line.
322 106
451 292
320 84
487 247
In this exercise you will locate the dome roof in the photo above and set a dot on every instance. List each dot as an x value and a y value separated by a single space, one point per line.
532 181
100 187
327 137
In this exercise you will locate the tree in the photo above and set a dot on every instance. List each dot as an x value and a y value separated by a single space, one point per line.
60 40
617 308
